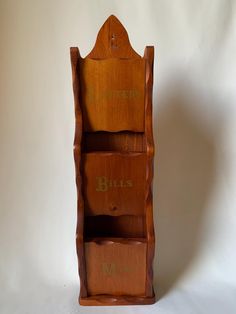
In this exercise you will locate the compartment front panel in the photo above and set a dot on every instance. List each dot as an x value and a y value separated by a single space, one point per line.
114 184
112 94
115 268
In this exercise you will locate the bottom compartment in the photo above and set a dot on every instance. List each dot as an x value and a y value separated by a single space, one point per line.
116 266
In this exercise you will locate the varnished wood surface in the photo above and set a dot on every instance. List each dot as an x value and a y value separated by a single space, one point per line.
112 42
74 54
111 300
116 268
113 139
149 56
114 183
113 90
115 226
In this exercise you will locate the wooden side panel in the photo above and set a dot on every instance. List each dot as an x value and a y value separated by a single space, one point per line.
149 56
114 183
115 268
113 94
74 53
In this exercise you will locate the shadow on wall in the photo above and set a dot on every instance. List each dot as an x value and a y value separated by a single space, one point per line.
185 172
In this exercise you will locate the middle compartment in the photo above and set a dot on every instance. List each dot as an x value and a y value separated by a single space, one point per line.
114 183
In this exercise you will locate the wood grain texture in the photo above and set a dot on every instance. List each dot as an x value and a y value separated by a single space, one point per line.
118 269
114 183
74 53
149 57
114 87
113 42
114 141
113 151
126 226
111 300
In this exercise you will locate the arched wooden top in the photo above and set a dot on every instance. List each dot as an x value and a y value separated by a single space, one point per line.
112 42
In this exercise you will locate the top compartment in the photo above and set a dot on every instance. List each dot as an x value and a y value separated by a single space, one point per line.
113 94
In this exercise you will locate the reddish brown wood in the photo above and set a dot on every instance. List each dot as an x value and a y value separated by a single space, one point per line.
74 53
112 42
115 86
113 150
119 141
114 183
149 56
108 300
126 226
116 266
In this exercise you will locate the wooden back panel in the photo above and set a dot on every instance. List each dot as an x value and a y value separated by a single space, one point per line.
112 42
125 226
114 141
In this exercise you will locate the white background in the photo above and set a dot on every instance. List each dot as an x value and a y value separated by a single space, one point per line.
195 165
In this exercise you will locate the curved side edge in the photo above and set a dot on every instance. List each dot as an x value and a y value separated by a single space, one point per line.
75 55
149 57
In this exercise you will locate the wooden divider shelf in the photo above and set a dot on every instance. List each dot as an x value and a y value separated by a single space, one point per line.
113 152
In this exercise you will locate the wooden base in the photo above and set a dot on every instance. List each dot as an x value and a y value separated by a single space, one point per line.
110 300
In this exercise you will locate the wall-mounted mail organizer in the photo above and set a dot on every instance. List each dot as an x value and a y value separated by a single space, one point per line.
113 151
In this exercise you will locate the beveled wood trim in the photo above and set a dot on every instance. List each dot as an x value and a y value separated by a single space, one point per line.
110 300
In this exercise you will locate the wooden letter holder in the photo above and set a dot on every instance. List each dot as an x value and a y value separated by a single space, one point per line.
113 151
